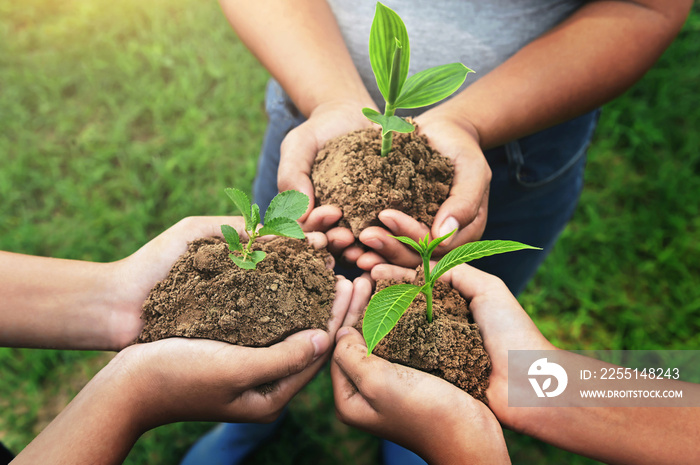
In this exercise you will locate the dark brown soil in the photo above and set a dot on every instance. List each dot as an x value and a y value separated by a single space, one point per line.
450 347
350 173
207 296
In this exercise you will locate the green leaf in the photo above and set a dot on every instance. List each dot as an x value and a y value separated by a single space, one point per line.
255 257
254 216
432 85
433 245
472 251
388 123
384 311
387 28
282 227
288 204
231 236
241 201
409 241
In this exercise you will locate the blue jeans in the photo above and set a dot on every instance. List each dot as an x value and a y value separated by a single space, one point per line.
535 186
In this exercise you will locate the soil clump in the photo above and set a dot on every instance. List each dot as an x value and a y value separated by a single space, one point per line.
450 347
350 173
206 295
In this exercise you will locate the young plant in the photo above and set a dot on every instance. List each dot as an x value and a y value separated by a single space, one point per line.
280 220
388 305
389 54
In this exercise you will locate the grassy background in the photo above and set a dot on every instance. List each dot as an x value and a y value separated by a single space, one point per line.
119 118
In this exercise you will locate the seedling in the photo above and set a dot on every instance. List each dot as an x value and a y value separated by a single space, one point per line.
280 220
389 54
388 305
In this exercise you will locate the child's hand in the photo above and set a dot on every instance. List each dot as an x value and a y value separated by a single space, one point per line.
133 277
426 414
503 324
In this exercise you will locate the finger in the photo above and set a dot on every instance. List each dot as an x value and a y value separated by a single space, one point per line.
361 293
266 405
369 260
344 290
468 199
401 224
291 356
322 218
392 272
318 240
389 248
339 239
351 408
367 373
351 254
297 154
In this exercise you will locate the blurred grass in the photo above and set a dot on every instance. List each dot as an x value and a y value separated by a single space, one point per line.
117 119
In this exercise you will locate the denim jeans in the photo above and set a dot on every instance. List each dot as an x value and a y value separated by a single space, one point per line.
535 186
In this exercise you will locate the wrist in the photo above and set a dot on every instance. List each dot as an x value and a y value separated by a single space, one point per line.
476 434
449 113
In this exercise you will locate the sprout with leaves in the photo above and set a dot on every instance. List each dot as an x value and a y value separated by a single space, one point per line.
389 54
280 220
388 305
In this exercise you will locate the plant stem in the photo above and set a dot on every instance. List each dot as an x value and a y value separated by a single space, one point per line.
249 248
387 138
428 292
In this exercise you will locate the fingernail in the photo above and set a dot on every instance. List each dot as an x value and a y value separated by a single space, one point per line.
321 344
449 225
374 243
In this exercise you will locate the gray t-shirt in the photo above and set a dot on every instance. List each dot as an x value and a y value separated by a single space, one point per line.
479 34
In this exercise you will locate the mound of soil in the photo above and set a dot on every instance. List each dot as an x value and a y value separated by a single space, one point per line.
350 173
206 295
450 347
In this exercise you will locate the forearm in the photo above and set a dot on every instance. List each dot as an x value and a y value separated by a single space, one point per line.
99 426
589 59
54 303
301 46
618 434
456 443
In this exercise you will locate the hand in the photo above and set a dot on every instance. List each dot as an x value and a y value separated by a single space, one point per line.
297 155
503 324
426 414
148 385
465 208
134 277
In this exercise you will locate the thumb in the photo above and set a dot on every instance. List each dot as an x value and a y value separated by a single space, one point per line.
297 155
288 357
466 206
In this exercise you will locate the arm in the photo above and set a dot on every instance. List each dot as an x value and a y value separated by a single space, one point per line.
589 59
70 304
622 435
301 46
437 420
148 385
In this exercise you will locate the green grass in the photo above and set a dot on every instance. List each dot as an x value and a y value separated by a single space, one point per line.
117 119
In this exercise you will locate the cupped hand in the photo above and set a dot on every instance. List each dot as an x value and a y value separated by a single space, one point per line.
201 380
181 379
297 155
426 414
134 276
465 208
503 324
